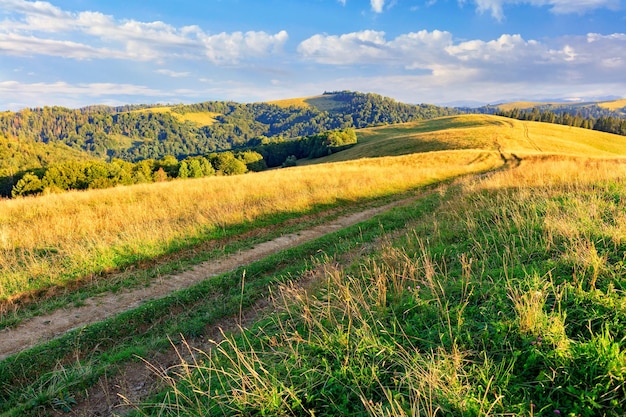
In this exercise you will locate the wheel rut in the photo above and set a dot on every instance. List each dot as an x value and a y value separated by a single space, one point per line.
46 327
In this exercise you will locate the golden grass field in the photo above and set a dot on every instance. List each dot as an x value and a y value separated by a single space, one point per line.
613 105
323 102
53 239
482 132
50 240
197 118
526 105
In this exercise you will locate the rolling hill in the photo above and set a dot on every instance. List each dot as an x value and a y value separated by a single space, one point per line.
481 132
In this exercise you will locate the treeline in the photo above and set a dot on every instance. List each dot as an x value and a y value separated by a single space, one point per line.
93 174
610 124
130 135
83 175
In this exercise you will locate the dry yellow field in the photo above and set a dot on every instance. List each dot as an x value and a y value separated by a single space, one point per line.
323 102
492 133
50 240
613 105
198 118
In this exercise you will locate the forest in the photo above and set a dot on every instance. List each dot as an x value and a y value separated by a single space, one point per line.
95 173
56 148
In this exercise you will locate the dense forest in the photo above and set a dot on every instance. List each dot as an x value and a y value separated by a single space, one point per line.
103 146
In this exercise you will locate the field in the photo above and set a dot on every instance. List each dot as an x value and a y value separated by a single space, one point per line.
526 105
496 287
197 118
324 102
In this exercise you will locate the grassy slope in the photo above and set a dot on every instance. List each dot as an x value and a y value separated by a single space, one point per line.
525 105
197 118
509 299
323 102
478 232
484 132
506 298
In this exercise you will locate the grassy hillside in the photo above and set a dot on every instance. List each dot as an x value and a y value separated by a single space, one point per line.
325 102
55 239
613 105
484 132
523 105
501 293
199 119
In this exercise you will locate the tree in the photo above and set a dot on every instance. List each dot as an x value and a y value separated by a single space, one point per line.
226 163
28 185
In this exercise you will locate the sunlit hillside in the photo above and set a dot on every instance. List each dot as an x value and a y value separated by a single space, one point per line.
484 132
490 282
612 105
522 105
323 102
197 118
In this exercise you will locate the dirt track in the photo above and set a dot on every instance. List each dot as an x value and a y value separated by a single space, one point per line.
42 328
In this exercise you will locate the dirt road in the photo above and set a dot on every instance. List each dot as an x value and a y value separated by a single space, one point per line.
46 327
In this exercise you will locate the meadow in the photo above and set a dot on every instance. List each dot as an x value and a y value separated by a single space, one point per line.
500 291
55 239
507 299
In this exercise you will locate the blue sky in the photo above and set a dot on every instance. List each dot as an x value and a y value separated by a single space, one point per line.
79 52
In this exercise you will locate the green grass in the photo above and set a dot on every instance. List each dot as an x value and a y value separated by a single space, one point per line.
507 298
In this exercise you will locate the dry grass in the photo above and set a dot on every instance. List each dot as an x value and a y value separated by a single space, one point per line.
324 102
483 132
197 118
291 102
613 105
51 239
522 105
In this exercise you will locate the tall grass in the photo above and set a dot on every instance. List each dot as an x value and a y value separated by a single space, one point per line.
53 239
490 306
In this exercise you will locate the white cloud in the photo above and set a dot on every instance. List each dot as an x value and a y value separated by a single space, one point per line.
173 74
377 5
351 48
41 28
15 44
507 58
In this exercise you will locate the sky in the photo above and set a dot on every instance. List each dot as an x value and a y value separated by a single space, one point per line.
75 53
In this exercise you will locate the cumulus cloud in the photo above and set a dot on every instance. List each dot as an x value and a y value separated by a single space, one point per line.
41 28
507 58
377 5
86 89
